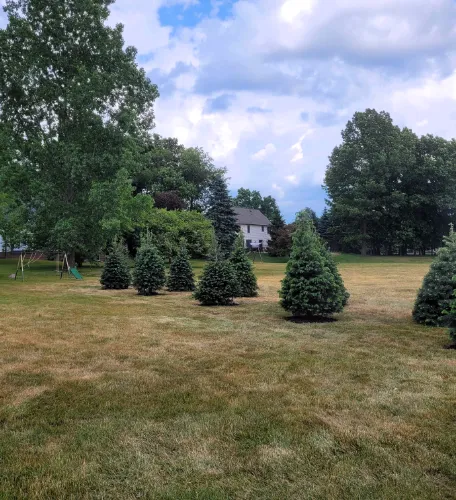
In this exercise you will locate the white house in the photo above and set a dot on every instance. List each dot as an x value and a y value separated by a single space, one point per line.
255 227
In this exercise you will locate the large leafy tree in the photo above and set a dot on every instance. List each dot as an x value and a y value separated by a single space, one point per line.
362 175
167 166
247 198
222 216
79 111
389 189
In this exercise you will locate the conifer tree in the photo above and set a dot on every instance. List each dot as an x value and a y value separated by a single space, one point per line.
449 318
248 286
149 273
436 293
222 215
181 278
116 272
312 286
218 285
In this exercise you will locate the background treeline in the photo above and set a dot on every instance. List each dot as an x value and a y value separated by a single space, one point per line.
389 190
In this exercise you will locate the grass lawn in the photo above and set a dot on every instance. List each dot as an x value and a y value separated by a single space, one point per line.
111 395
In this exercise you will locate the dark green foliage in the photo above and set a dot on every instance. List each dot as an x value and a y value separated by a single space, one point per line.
438 287
252 199
312 286
79 109
389 189
116 273
222 215
181 277
243 268
218 285
449 316
149 273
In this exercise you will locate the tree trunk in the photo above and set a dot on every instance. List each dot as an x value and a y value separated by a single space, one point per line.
364 242
71 258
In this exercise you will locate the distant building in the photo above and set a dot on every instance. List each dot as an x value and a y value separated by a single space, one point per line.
254 226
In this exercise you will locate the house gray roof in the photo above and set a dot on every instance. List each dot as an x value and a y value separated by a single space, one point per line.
251 217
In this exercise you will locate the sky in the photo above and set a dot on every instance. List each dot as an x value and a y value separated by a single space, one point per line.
266 86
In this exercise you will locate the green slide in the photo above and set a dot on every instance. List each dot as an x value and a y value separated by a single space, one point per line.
75 273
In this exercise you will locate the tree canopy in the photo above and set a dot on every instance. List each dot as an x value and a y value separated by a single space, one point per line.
78 110
253 199
389 188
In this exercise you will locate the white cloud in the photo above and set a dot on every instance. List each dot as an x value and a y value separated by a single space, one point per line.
280 193
268 150
292 9
314 67
292 179
298 148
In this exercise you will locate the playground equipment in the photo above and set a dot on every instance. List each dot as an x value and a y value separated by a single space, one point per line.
256 249
35 256
71 271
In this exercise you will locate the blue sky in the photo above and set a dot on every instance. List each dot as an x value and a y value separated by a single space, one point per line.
266 86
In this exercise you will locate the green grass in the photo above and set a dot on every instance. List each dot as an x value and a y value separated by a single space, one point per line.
105 394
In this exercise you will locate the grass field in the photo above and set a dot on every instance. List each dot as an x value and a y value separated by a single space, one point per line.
111 395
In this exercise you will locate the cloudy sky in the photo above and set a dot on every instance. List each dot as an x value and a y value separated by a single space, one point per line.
265 86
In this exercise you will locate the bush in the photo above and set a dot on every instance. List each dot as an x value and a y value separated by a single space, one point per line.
218 285
243 268
449 316
181 278
116 272
312 286
436 293
149 273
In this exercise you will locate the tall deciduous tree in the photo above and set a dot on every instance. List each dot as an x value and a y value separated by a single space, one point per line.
362 175
252 199
389 189
222 216
167 166
79 110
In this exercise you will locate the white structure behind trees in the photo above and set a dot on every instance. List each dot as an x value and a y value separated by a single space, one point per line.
254 226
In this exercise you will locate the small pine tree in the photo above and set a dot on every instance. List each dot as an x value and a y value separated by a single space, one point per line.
222 215
248 286
181 278
149 273
218 285
436 293
116 273
312 286
449 317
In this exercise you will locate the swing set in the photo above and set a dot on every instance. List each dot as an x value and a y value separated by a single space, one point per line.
35 256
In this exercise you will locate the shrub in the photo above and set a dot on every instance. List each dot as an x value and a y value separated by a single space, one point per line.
181 278
243 268
218 285
116 272
149 273
312 286
449 316
436 293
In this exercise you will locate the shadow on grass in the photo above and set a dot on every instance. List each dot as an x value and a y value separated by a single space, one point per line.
314 319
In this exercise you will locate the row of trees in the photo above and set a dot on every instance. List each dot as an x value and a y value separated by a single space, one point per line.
389 190
222 279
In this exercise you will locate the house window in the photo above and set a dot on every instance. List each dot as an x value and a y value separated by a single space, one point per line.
248 229
262 229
